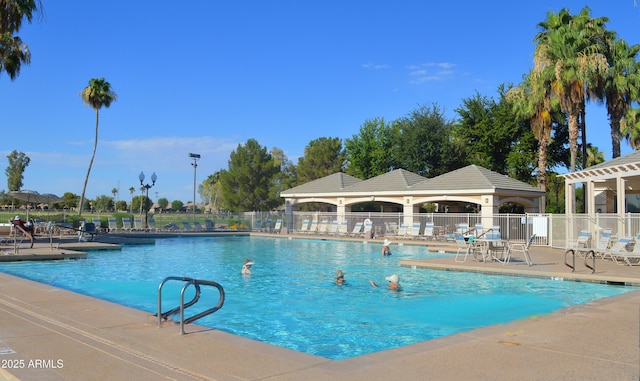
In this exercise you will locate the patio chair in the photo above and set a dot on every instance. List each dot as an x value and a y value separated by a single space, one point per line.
521 248
197 226
313 229
277 227
113 224
343 228
323 227
414 232
356 229
582 246
304 227
621 246
98 223
479 230
402 231
87 231
258 225
603 242
333 229
429 231
209 224
138 224
126 224
186 226
151 225
464 248
631 258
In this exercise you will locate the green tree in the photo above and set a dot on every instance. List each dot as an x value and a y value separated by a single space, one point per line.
143 203
488 130
322 157
96 95
630 127
370 153
114 192
121 205
13 52
132 190
163 203
247 183
620 86
568 54
423 144
103 203
18 162
70 200
177 205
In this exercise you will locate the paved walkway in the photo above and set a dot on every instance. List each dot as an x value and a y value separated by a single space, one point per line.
51 334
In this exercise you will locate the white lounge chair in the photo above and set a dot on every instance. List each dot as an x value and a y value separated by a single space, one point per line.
603 242
305 226
621 246
277 227
429 231
126 224
113 224
631 258
313 229
414 232
137 224
368 229
402 231
343 228
356 229
333 228
323 227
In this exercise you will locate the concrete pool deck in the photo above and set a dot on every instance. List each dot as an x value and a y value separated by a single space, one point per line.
48 333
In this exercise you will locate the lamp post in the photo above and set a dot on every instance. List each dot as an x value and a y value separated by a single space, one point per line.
147 187
195 157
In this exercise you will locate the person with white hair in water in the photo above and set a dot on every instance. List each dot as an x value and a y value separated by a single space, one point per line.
394 282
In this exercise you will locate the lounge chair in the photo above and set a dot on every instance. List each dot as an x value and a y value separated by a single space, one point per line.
258 225
305 226
209 224
603 242
137 224
582 246
98 223
113 224
479 230
323 227
333 228
402 231
197 226
356 229
414 232
267 225
521 248
151 222
343 228
429 231
621 246
126 224
186 226
462 229
390 228
631 258
276 229
313 229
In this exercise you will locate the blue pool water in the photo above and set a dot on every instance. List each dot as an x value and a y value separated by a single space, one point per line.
290 300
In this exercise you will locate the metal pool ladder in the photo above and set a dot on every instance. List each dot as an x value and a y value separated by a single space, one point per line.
188 282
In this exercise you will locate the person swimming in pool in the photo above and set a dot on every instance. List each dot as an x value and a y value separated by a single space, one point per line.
246 267
340 278
385 248
394 282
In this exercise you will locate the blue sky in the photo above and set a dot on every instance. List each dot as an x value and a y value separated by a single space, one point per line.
204 76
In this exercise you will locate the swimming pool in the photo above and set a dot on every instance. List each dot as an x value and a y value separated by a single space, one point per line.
290 300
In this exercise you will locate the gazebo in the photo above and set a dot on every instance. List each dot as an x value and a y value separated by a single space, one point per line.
407 191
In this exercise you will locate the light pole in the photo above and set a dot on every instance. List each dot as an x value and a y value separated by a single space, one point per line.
195 157
147 187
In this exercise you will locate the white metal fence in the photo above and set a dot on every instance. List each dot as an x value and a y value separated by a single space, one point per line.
554 230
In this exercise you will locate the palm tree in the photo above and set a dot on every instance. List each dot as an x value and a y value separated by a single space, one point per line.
620 87
13 52
97 94
630 127
568 56
132 191
531 100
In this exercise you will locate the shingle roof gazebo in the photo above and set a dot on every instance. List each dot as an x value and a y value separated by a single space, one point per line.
471 184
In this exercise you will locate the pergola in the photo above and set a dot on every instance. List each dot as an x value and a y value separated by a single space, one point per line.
407 191
606 185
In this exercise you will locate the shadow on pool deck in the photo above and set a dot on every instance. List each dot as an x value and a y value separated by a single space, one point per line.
48 333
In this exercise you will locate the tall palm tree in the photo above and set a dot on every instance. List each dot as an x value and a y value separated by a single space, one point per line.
13 52
531 100
620 86
568 55
97 94
630 127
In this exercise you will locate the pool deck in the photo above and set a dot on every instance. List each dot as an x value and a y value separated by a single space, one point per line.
48 333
